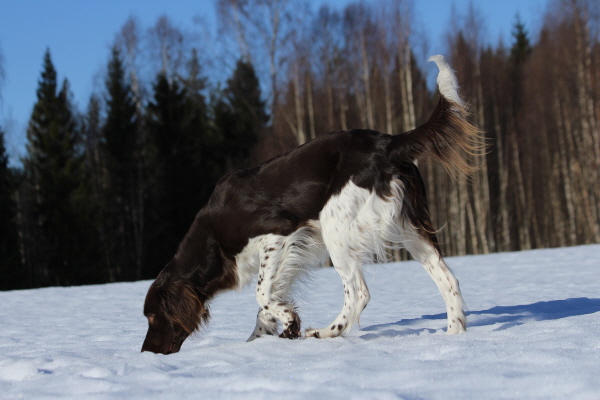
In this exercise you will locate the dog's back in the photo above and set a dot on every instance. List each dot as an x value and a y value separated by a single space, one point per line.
286 192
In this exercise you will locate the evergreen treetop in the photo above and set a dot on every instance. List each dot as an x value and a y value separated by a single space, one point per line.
240 115
120 129
521 48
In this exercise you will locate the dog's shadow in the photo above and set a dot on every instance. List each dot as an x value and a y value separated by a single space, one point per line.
504 317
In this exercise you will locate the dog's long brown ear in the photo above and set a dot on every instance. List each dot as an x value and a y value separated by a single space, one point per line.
183 306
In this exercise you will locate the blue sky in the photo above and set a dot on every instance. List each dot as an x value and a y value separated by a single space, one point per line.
79 34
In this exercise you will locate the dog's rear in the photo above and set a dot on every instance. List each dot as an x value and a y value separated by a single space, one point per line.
359 222
353 194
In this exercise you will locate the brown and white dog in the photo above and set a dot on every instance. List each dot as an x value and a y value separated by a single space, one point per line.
352 195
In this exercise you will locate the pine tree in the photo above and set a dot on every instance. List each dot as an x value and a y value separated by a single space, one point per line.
95 178
11 269
519 54
175 123
240 114
92 137
121 208
211 162
521 48
53 166
120 130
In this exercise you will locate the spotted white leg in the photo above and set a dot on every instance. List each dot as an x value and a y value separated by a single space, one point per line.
356 298
423 251
344 223
272 286
266 324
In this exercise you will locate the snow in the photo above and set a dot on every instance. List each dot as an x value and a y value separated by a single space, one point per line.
534 333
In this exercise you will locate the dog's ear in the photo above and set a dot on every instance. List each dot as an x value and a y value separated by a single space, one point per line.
183 306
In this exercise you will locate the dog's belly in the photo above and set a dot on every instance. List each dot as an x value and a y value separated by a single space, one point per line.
361 222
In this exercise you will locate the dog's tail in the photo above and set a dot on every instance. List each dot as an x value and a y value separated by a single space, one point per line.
448 136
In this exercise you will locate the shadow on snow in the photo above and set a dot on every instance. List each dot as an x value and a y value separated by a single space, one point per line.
503 316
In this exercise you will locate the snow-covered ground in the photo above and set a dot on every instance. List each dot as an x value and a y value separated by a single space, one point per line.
534 333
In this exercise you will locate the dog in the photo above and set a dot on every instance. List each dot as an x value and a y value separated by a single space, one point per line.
352 195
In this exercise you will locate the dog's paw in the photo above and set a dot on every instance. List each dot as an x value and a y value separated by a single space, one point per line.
292 331
309 332
458 325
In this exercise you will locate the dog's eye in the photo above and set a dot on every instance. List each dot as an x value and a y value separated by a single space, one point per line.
150 318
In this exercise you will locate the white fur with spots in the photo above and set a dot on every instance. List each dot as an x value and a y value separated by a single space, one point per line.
279 261
355 228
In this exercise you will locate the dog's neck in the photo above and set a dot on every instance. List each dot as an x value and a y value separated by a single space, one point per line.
200 261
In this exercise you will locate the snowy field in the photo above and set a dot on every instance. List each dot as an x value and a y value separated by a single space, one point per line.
534 333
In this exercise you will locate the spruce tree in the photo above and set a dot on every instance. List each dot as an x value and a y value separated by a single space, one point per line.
122 202
11 269
240 114
521 48
94 176
211 161
175 120
53 167
519 54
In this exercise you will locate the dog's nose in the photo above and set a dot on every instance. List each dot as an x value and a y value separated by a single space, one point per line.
159 348
151 347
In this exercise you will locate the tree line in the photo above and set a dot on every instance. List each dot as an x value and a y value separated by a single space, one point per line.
106 194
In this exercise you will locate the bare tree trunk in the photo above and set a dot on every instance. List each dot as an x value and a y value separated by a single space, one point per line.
133 206
366 81
481 198
261 25
521 203
405 80
389 105
311 111
241 35
504 234
299 107
273 47
343 109
589 127
410 104
567 190
330 106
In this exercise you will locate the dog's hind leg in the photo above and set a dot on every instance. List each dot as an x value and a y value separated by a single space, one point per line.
344 222
356 297
423 250
419 238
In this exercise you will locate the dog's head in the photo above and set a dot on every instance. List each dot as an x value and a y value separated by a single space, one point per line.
174 310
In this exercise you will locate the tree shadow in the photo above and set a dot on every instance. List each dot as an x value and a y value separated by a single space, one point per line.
504 316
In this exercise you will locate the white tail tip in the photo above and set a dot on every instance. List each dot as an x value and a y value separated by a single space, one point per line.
446 80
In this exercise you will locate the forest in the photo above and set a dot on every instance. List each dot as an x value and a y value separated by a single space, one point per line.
105 194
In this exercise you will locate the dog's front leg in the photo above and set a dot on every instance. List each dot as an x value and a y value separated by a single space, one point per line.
271 291
266 324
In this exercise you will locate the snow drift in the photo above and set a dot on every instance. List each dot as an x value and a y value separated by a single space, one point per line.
534 333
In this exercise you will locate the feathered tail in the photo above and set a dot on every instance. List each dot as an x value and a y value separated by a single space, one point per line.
447 136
